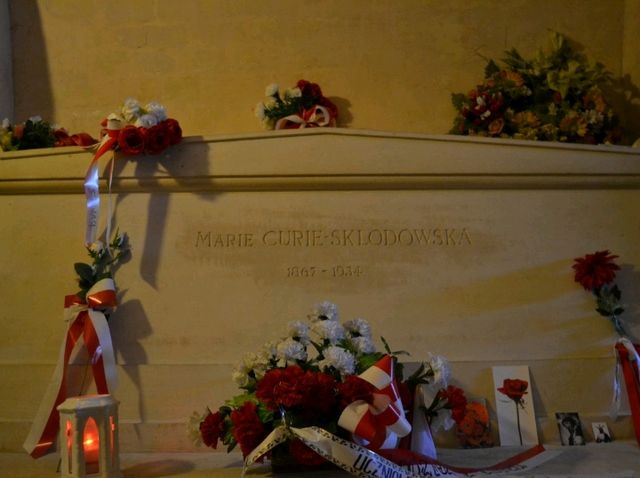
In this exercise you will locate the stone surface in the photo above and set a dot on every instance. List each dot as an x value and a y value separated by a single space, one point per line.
449 245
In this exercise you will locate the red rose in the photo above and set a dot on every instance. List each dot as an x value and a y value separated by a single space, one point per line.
131 140
212 428
157 139
62 138
281 387
514 388
309 90
595 270
174 130
248 430
303 454
456 401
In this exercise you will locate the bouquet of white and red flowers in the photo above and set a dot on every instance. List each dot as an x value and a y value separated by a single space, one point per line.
320 375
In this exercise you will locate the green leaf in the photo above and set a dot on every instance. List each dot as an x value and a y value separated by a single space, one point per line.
84 271
491 69
618 311
458 100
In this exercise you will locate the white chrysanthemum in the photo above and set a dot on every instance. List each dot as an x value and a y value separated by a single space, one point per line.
441 371
299 331
6 123
157 110
338 358
363 345
293 93
271 90
259 111
146 121
131 109
324 311
328 330
358 327
290 350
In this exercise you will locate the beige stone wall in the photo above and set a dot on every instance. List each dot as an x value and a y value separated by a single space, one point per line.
389 65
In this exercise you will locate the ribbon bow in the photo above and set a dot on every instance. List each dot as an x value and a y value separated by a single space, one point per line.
87 323
381 422
315 116
627 366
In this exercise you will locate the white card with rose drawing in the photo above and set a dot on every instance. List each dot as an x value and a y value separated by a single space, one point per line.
514 406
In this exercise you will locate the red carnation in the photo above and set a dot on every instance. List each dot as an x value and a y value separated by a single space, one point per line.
131 140
281 387
318 394
174 130
248 430
354 388
212 428
595 270
456 401
157 139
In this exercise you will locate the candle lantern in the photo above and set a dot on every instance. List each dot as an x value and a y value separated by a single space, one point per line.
89 437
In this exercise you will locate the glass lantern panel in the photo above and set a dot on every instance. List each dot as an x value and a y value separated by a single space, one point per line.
69 434
91 446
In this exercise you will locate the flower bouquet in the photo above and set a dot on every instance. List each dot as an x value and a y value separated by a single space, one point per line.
327 375
555 96
303 106
37 133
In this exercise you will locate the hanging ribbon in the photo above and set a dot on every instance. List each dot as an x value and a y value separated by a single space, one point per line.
315 116
627 365
365 463
381 422
421 437
91 180
88 325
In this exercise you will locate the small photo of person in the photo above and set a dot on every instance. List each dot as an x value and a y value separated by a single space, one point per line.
601 432
570 428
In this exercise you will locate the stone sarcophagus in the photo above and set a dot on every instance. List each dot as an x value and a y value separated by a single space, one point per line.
457 246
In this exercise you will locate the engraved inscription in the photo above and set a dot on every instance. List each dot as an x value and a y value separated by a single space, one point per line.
332 271
401 237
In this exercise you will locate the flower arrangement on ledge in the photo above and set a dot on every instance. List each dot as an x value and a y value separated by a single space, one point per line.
37 133
311 376
555 96
303 106
137 129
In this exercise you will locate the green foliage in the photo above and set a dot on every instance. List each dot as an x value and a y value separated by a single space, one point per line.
104 260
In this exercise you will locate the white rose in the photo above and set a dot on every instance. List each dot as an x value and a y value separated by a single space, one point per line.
146 121
271 90
293 93
157 110
97 248
131 109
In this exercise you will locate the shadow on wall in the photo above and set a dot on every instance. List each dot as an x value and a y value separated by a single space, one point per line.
31 85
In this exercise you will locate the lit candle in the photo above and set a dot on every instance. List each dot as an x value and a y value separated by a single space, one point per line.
91 446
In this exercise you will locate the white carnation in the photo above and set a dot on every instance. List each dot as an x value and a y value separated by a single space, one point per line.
358 327
299 331
146 121
271 90
338 358
363 345
157 110
290 350
441 371
442 419
324 311
131 109
328 330
6 123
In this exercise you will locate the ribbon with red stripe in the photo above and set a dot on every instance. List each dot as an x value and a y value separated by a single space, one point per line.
628 358
315 116
381 422
88 325
92 179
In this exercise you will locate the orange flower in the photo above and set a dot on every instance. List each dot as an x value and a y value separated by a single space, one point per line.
513 76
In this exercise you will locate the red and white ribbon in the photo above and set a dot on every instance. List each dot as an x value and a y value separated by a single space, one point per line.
315 116
92 181
383 421
365 463
627 366
87 325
